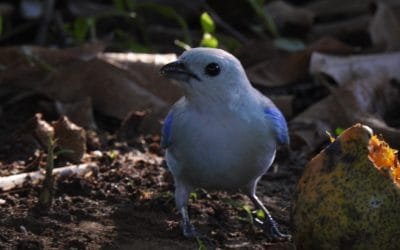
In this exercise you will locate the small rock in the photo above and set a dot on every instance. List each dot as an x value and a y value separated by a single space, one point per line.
97 154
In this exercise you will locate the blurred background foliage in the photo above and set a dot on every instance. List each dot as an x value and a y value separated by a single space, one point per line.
140 26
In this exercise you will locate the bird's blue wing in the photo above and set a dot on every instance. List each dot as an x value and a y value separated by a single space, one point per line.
166 130
275 117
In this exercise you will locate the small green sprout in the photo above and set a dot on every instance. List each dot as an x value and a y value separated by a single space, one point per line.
338 131
208 26
207 23
260 214
112 154
193 196
47 192
201 244
82 27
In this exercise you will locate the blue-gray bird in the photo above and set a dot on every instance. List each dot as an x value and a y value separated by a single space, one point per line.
223 134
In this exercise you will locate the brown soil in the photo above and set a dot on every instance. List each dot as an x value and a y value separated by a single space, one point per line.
127 204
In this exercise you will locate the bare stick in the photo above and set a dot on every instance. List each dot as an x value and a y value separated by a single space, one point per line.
8 183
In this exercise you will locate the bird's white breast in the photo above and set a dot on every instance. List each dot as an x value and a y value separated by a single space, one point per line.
221 151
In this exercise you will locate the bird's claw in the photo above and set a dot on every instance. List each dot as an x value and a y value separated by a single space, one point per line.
277 235
272 229
189 231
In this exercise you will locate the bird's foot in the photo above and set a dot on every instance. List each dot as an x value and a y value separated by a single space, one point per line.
271 228
189 231
277 235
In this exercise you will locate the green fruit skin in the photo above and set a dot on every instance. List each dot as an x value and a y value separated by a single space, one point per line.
343 202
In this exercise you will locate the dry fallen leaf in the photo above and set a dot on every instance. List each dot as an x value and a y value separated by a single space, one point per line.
384 157
71 138
114 84
384 28
365 100
276 67
366 94
346 69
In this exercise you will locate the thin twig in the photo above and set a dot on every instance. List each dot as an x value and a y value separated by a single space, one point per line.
11 182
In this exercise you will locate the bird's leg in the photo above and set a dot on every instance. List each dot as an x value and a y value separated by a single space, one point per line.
272 225
181 199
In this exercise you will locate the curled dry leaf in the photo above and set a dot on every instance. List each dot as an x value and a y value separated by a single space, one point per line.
80 112
36 133
113 92
364 100
346 20
276 67
330 9
384 158
26 67
126 83
70 138
384 28
346 69
143 69
42 131
366 95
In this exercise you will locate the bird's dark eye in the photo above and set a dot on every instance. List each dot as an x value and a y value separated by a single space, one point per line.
212 69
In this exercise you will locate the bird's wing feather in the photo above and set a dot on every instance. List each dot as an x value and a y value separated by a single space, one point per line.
277 120
275 117
166 130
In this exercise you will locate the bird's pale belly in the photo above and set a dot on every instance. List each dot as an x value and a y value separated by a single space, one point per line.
233 158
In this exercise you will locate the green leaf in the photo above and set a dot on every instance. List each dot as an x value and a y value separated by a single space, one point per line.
250 217
209 40
80 29
207 23
193 196
339 131
200 243
247 208
112 154
260 214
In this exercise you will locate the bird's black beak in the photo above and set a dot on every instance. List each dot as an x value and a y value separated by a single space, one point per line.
178 71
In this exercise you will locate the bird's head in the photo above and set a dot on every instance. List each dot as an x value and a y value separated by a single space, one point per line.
205 72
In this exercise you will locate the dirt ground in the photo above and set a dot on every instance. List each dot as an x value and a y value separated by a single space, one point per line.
127 204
